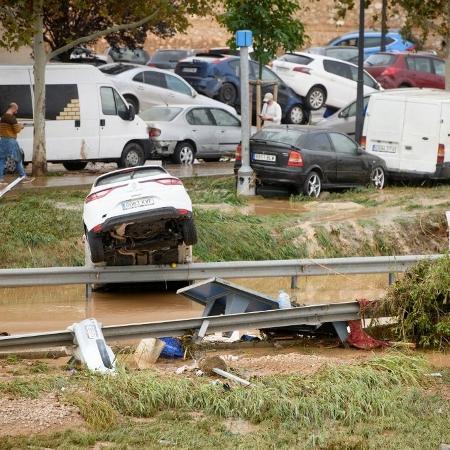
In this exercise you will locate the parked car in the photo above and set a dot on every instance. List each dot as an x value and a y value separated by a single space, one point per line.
144 87
410 129
372 42
141 215
342 52
393 70
168 59
125 54
186 132
218 76
307 159
322 80
343 120
84 55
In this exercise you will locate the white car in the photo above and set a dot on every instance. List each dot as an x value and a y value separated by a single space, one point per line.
322 80
138 215
144 87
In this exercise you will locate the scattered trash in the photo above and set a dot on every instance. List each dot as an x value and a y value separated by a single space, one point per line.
249 338
173 348
230 358
284 301
181 370
10 186
436 374
358 338
208 363
220 337
231 376
199 373
147 352
91 348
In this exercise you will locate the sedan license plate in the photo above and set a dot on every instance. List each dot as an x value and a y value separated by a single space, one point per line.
190 69
138 203
386 148
263 157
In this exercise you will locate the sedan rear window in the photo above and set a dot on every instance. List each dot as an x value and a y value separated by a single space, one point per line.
131 174
296 59
116 69
379 60
289 137
168 55
160 113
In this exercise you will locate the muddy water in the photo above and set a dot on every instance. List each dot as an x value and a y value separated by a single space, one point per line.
24 310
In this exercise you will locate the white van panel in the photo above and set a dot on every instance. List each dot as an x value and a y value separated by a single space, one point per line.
420 137
444 135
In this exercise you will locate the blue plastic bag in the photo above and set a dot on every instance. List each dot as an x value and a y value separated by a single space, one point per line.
173 348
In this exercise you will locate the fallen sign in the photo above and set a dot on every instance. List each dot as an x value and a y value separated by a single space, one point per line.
10 186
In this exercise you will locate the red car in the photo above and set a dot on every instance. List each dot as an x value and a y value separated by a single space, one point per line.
404 69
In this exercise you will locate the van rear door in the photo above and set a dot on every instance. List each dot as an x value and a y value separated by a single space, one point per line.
420 137
445 131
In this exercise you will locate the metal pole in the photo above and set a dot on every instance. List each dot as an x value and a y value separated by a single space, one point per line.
245 185
383 25
360 89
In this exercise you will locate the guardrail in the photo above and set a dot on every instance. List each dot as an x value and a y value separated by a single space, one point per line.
199 271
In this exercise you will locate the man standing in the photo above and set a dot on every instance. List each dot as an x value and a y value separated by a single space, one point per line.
271 111
9 129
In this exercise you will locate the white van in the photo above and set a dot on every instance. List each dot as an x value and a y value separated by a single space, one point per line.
410 129
86 118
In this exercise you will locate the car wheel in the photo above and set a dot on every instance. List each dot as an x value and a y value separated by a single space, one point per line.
296 115
132 155
312 185
189 232
96 247
228 94
74 165
378 177
184 153
132 101
316 97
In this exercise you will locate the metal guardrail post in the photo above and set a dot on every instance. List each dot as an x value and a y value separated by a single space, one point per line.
294 282
391 278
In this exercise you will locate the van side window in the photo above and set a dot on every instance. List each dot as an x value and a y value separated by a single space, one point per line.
108 101
120 104
18 93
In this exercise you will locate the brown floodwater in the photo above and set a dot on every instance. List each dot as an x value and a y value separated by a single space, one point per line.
49 308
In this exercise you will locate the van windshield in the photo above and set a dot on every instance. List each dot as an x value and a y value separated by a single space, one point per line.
161 114
131 174
116 69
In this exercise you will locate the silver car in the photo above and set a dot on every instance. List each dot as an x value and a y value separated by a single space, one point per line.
144 87
186 132
344 119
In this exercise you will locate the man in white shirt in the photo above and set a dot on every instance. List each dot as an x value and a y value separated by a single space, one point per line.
271 111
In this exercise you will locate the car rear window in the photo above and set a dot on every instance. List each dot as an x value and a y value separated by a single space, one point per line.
285 136
131 174
196 68
379 59
162 114
170 55
115 69
342 53
296 59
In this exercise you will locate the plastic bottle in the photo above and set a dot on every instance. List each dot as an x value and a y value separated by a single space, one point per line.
284 300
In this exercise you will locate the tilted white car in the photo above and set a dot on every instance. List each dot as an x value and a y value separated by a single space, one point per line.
138 215
144 87
322 80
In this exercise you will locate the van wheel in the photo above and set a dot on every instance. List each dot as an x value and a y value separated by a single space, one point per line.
312 185
132 155
189 232
184 153
316 98
74 165
378 177
96 247
132 101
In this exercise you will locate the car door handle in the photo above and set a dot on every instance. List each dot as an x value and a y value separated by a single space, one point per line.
408 147
194 130
102 122
425 138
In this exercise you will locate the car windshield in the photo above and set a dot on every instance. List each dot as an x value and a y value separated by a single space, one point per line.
162 114
171 55
285 136
115 69
379 59
131 174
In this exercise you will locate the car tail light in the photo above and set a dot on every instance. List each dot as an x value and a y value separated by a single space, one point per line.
97 195
238 155
363 141
389 72
295 159
441 154
302 69
151 65
183 212
169 181
97 228
154 132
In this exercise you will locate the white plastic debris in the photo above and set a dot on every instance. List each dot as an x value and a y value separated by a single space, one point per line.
284 301
91 348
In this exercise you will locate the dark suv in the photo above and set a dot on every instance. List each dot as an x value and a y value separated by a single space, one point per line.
218 76
404 69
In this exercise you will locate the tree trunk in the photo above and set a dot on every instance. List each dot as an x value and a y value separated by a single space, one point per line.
447 51
40 61
384 28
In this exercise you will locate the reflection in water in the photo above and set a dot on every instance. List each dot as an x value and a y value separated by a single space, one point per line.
50 308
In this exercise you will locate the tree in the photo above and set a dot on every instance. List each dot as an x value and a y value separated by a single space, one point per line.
53 28
272 22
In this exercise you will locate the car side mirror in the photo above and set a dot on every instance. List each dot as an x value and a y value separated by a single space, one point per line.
194 93
131 113
359 151
343 114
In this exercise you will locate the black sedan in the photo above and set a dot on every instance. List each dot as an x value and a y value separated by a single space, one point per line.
306 159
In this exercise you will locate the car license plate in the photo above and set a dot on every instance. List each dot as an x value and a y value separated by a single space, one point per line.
262 157
190 69
386 148
138 203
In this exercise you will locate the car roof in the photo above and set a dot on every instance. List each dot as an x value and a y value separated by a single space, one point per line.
130 169
321 57
136 67
210 58
303 128
372 33
405 53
